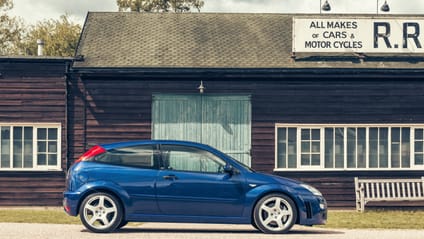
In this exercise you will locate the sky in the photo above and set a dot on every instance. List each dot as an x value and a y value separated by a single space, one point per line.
32 11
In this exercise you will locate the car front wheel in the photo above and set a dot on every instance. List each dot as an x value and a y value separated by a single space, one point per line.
101 212
275 213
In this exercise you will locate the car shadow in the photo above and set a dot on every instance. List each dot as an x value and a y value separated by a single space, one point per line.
297 231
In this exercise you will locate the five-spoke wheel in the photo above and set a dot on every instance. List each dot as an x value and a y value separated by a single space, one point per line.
101 212
275 213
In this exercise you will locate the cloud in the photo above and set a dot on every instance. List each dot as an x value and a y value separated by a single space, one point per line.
263 6
313 6
33 11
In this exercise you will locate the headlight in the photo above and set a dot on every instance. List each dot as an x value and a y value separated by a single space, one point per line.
311 189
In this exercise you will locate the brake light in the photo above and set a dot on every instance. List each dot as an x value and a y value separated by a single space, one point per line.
94 151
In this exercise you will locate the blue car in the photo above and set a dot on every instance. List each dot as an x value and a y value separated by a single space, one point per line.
178 181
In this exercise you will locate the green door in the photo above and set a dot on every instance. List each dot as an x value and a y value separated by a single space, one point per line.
223 122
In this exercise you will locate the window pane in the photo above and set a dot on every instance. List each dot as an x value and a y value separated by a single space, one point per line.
315 147
419 146
395 154
373 147
329 149
17 147
305 160
306 147
42 147
281 148
17 133
5 147
339 147
361 148
52 159
406 154
52 147
419 159
42 133
384 148
28 133
351 147
28 154
41 159
292 148
28 147
316 134
395 135
282 155
52 134
306 134
315 160
418 134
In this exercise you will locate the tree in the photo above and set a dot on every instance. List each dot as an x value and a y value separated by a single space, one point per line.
10 29
60 37
159 5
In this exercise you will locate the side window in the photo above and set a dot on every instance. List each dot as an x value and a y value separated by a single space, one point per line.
191 159
143 156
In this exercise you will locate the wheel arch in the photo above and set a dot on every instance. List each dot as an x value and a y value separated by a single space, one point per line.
276 191
102 190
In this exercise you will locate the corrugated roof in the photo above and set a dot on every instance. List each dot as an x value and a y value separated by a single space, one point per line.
205 40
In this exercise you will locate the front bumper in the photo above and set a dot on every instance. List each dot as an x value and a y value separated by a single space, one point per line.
314 211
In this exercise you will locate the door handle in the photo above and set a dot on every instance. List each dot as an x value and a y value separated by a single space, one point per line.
170 177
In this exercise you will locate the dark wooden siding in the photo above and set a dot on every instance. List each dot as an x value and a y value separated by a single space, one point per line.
31 188
33 91
119 108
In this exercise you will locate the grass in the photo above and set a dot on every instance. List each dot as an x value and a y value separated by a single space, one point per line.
371 219
50 216
376 219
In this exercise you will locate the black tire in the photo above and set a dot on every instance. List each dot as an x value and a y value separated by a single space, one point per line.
275 213
123 224
101 212
254 225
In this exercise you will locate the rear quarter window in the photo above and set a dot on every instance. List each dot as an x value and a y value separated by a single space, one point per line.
143 156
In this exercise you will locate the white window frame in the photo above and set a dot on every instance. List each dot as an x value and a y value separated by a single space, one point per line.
322 127
35 166
299 147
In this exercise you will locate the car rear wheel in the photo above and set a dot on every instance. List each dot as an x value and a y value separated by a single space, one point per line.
275 213
101 212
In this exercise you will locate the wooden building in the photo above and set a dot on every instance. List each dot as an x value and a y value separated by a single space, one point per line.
321 118
33 135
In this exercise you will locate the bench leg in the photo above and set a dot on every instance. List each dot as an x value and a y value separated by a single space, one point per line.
360 200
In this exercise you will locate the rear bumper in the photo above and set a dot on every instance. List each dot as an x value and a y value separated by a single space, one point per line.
70 203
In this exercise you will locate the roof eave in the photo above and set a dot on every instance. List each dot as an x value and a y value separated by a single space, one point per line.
247 72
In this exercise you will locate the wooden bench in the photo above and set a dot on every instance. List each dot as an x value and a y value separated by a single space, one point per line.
368 190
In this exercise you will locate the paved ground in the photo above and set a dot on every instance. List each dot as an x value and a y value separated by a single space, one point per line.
194 231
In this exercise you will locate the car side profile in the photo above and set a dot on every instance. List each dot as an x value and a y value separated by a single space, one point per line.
178 181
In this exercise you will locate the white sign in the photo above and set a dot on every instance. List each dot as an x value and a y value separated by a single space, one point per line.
362 35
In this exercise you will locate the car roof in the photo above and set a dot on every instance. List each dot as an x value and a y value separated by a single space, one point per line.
148 142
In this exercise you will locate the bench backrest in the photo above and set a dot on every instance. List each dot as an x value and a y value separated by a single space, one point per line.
391 188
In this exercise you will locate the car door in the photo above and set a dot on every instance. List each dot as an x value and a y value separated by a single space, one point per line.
192 182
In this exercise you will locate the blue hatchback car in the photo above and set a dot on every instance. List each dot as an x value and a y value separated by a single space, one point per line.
178 181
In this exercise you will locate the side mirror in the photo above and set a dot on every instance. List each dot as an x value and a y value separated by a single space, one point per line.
229 169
